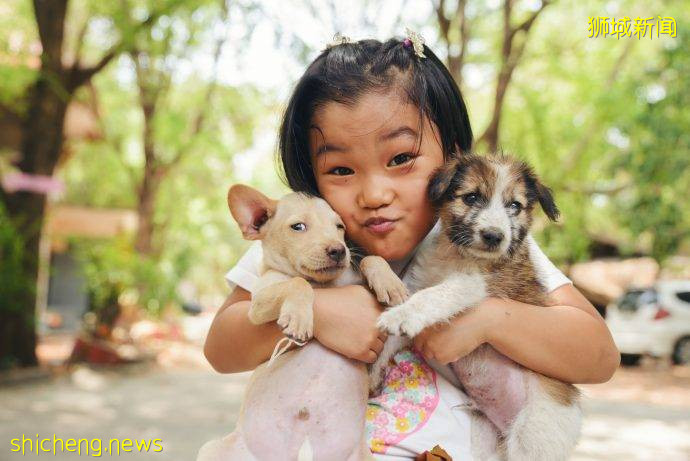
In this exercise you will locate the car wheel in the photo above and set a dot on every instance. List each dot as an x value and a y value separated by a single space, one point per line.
681 352
630 360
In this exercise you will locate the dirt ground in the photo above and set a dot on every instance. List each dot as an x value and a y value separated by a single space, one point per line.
641 414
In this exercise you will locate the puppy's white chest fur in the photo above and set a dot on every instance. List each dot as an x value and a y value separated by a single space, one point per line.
445 285
436 263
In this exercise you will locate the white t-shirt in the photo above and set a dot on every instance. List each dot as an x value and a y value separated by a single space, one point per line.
420 405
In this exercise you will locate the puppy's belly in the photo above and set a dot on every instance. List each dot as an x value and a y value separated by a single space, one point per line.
496 384
310 392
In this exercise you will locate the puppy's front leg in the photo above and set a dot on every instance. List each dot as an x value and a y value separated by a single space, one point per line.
291 302
434 304
387 286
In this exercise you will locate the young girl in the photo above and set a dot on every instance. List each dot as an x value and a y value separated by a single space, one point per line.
365 127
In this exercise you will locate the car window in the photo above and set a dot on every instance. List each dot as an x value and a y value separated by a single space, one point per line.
633 299
684 296
629 301
647 297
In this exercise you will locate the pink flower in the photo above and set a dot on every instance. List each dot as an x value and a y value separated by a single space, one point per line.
381 418
399 410
394 374
381 433
407 405
405 367
428 402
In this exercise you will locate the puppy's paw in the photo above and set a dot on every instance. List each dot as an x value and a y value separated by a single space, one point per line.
405 319
391 320
386 285
297 321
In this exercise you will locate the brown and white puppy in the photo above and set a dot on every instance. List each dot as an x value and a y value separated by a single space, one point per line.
485 206
310 402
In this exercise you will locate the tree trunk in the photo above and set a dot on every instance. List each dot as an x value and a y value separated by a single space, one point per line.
511 53
17 315
42 137
455 62
41 145
491 133
148 189
42 140
146 207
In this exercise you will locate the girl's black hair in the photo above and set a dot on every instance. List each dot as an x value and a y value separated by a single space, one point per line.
345 72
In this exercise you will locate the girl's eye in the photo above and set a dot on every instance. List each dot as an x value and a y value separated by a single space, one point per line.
517 206
470 199
299 227
401 159
340 171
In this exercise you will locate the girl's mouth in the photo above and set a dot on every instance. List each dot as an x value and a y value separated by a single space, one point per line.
380 225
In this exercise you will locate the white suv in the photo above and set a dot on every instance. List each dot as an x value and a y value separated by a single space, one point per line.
654 321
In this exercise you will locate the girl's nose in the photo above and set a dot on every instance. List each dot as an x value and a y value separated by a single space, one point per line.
376 192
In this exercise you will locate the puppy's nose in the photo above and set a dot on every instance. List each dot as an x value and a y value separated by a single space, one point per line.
336 253
491 236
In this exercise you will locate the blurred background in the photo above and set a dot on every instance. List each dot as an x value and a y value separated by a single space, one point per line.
123 123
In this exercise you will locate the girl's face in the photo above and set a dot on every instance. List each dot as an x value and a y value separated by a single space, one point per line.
367 170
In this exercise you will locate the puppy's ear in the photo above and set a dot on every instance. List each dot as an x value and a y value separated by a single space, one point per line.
441 181
538 191
547 203
251 209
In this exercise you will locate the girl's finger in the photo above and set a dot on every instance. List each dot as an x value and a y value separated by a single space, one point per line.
383 335
371 357
377 346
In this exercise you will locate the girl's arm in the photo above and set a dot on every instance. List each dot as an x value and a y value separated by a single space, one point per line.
568 341
233 343
344 321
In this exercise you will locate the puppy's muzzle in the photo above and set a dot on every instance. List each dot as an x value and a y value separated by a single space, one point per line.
336 253
492 236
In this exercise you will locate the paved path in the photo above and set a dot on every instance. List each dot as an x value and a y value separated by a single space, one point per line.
185 408
632 431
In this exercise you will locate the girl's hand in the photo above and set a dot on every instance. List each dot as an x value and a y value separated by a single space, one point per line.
447 343
345 322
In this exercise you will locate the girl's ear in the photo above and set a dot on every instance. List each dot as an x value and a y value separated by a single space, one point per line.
537 190
251 209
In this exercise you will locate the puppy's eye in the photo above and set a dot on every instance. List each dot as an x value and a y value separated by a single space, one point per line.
340 226
516 206
470 199
299 227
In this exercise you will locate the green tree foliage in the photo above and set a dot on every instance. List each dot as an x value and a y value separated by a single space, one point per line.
657 158
603 121
112 268
58 63
578 111
197 126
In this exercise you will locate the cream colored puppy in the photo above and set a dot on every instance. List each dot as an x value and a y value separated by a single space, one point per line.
310 403
303 242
